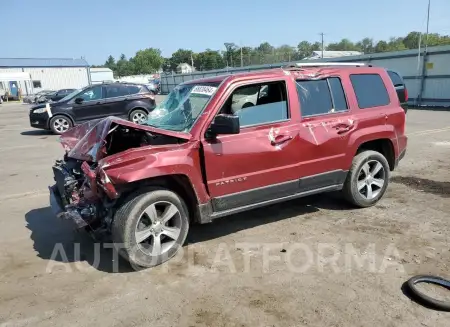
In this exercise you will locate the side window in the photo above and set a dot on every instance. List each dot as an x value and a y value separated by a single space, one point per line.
337 94
395 78
94 93
37 84
114 91
370 90
258 104
133 89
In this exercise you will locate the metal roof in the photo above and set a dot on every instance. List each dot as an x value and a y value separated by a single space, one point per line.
42 62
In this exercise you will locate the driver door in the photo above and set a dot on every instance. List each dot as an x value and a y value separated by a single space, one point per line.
260 163
92 106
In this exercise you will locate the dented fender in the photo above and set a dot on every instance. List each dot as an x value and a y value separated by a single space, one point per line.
149 162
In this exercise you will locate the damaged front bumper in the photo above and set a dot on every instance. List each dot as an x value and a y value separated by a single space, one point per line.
64 213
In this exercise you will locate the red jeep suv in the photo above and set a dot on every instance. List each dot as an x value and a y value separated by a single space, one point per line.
227 144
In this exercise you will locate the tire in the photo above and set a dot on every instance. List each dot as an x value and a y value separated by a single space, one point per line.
138 116
60 124
134 219
425 299
358 181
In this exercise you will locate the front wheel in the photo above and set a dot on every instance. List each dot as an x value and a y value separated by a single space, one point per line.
150 228
367 179
60 124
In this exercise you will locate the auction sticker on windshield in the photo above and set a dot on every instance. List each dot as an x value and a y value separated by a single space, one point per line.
203 89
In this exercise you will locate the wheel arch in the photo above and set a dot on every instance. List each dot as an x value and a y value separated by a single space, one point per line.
178 183
382 145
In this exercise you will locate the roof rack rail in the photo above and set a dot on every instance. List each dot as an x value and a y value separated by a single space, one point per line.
329 63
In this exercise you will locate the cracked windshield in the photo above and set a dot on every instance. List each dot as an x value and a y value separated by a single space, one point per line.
180 109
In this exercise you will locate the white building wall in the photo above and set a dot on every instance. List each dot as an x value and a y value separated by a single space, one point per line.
59 78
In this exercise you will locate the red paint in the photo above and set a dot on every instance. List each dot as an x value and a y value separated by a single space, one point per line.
250 159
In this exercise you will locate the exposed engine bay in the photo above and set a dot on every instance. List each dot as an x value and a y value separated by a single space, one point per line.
83 192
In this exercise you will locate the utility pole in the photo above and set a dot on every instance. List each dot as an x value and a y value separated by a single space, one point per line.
428 23
322 34
242 59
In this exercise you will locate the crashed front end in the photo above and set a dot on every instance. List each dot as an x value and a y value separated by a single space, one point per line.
83 191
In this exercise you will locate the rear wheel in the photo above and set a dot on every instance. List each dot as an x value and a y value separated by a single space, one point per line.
60 124
138 116
150 228
367 179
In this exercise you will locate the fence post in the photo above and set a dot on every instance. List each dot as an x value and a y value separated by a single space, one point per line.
422 77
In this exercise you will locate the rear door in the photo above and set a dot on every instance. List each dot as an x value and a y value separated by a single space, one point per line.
260 163
116 99
327 123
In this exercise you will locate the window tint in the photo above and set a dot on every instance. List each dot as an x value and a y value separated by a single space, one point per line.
258 104
133 89
395 78
315 97
114 91
91 94
338 95
370 90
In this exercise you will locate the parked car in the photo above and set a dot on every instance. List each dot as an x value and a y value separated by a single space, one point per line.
317 129
34 97
54 96
400 87
126 100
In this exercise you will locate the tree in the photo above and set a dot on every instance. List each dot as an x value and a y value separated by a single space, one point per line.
123 67
111 63
381 46
365 45
147 61
181 56
343 45
209 60
396 44
411 41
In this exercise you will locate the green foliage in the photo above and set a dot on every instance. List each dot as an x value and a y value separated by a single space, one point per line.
150 61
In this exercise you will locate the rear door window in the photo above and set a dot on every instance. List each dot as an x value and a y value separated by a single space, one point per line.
370 90
133 89
320 97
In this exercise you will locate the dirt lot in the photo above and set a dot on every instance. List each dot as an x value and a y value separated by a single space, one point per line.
299 263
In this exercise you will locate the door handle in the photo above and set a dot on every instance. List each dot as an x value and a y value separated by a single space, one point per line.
345 129
281 139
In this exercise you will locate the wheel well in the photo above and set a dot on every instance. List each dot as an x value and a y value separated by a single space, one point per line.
59 114
180 184
136 108
384 146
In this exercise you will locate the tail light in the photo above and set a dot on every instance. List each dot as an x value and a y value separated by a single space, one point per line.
406 94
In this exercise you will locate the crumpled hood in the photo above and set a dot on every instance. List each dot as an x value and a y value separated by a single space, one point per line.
87 141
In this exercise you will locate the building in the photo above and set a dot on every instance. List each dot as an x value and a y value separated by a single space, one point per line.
100 75
48 73
333 54
185 68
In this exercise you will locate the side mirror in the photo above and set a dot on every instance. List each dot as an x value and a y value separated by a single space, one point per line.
224 124
79 100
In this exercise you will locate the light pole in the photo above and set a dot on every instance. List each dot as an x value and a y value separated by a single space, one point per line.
428 23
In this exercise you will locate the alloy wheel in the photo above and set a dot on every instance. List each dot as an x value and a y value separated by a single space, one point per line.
371 179
61 125
158 228
139 118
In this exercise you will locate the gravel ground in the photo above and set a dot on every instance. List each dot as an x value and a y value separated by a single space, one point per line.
308 262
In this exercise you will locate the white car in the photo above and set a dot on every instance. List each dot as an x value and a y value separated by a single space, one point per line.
249 98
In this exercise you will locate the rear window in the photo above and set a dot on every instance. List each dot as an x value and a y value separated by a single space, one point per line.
395 78
370 90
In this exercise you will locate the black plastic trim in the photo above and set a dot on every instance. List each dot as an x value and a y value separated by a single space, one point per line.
249 199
